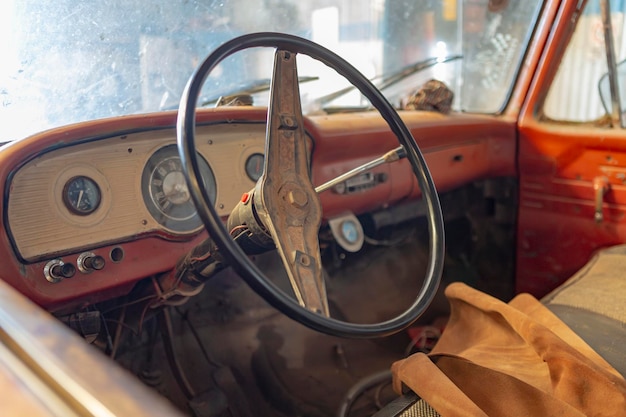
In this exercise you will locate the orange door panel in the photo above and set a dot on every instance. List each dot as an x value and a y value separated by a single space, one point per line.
572 200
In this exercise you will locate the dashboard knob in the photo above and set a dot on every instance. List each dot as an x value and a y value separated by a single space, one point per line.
95 262
64 271
56 270
89 261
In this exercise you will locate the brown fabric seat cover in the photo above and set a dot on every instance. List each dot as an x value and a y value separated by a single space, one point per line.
515 359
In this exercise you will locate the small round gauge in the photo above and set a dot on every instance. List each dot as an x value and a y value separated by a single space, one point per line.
350 231
165 190
81 195
254 166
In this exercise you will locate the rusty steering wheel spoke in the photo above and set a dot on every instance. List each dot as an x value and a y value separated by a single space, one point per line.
287 202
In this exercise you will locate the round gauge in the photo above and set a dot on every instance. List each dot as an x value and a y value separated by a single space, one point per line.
350 231
165 190
254 166
81 195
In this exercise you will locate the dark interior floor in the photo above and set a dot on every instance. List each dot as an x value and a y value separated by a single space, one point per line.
239 356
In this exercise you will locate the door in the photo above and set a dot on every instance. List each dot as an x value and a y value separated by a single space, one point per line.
572 155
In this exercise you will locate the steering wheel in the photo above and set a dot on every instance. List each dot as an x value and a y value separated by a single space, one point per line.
285 201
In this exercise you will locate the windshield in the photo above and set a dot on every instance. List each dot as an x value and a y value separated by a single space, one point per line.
70 60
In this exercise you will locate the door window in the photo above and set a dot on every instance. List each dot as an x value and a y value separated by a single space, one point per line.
584 65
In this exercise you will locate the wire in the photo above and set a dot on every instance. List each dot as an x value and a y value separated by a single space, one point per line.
359 388
167 335
124 325
129 303
108 335
237 228
389 242
194 332
142 316
378 393
422 339
118 333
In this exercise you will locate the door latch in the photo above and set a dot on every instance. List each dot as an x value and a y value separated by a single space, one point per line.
600 188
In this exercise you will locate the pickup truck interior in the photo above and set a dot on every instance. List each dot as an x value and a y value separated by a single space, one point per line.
322 208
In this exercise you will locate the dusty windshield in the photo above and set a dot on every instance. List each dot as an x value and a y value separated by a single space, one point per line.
69 60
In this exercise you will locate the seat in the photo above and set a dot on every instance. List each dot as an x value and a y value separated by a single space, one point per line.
592 304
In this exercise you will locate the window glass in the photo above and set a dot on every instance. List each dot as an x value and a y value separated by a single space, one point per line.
67 61
495 37
575 95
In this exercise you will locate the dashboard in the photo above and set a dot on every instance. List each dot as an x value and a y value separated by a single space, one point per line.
91 209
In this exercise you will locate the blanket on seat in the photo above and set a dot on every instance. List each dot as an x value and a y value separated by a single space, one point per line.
515 359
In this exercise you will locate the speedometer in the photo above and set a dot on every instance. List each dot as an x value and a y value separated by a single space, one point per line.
165 191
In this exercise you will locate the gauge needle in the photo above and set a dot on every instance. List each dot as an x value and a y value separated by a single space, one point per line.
80 197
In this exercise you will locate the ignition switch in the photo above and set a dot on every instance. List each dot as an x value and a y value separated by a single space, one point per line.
89 261
56 270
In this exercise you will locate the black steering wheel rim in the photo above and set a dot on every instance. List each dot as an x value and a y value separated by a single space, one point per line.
235 256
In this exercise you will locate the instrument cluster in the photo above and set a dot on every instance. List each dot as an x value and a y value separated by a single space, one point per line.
112 190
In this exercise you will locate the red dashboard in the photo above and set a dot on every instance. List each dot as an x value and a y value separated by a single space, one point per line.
119 216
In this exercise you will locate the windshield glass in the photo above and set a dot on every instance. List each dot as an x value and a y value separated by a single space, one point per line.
67 61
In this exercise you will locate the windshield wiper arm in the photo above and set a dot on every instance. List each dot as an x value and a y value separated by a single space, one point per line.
387 80
253 87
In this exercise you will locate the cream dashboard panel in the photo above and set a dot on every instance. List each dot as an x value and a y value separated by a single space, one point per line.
43 224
